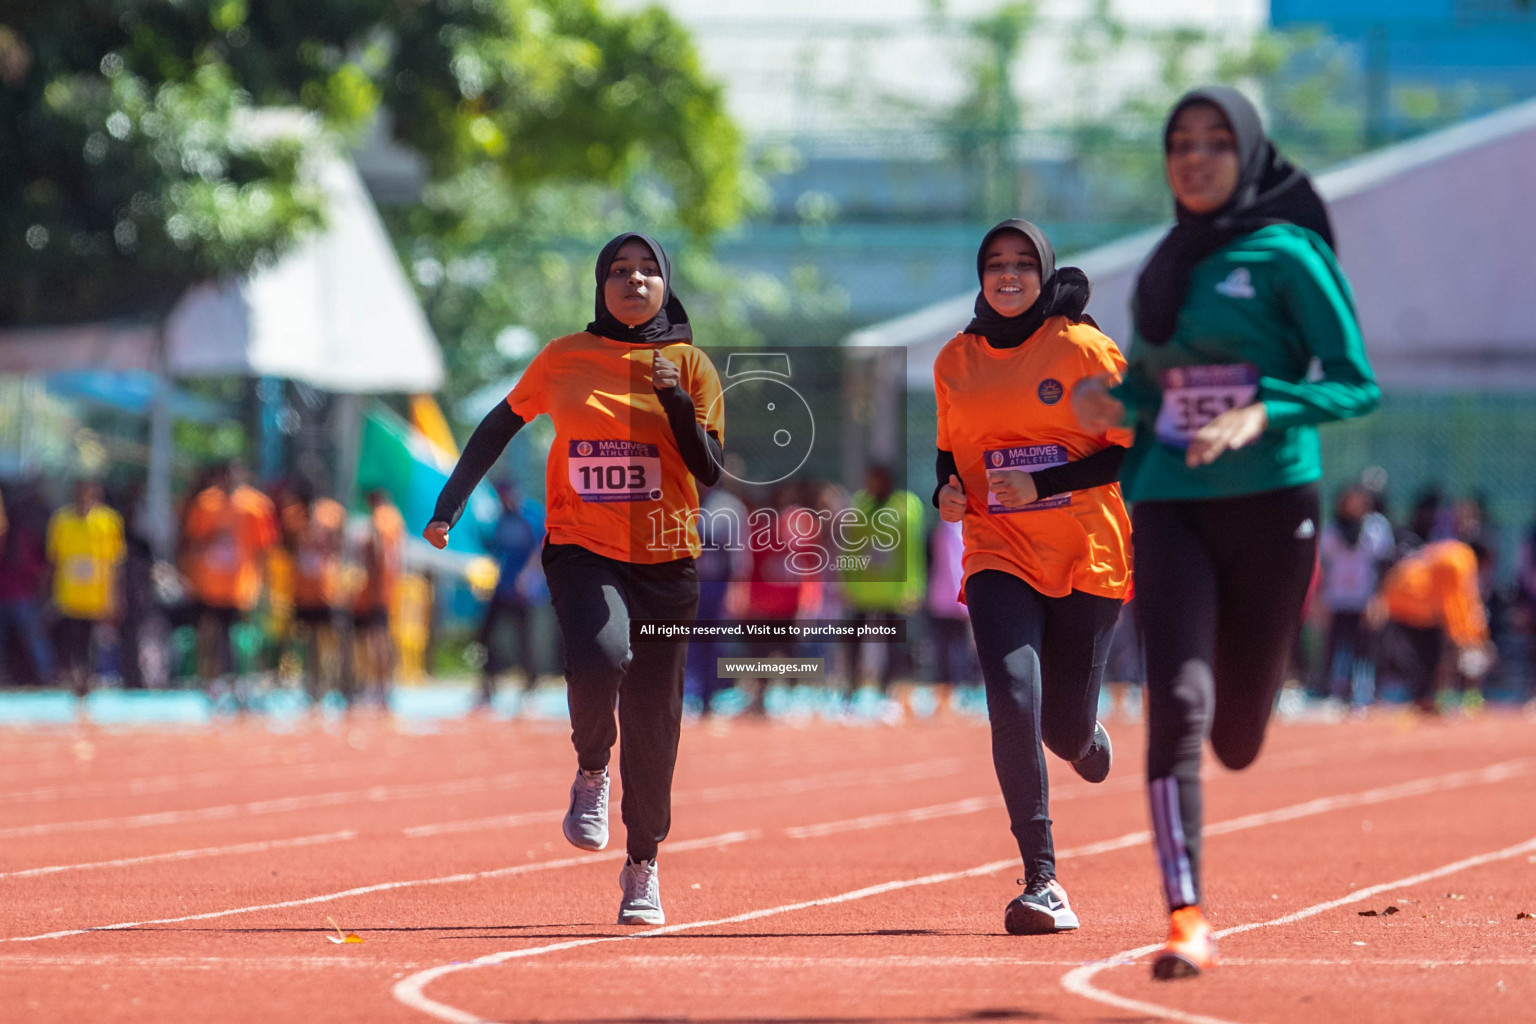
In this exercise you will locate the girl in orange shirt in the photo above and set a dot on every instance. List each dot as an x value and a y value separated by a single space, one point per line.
638 418
1047 541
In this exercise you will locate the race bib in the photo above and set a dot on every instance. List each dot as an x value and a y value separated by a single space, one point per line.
615 471
80 570
1026 457
1195 395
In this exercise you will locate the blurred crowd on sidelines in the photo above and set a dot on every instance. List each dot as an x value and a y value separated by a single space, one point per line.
277 585
280 588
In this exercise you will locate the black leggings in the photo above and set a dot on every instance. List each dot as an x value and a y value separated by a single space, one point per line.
1419 652
1042 659
1220 586
595 598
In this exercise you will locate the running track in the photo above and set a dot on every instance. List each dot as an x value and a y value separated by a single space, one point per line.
822 873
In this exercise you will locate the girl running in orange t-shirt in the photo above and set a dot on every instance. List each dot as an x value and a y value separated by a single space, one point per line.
638 418
1047 541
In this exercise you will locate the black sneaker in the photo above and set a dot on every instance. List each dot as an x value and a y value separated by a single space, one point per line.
1041 909
1094 765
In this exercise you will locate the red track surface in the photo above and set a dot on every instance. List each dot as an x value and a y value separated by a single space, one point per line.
234 846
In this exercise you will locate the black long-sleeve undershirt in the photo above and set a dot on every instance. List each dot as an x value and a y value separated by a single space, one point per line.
699 448
701 451
1098 469
481 451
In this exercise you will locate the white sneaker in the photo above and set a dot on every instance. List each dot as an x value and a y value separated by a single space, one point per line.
642 893
586 823
1041 909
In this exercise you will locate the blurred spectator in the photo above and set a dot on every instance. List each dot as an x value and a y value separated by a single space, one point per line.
1353 549
23 571
1424 522
1525 590
137 603
774 589
949 625
1430 597
1126 671
722 533
891 585
381 549
313 531
85 549
228 530
514 542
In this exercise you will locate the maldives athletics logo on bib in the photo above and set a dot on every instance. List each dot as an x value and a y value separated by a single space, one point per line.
1050 391
583 448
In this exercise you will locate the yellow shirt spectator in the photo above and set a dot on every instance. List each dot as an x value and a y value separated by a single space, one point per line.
85 551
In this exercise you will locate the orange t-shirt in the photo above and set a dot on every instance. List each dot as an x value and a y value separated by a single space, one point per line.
383 551
1437 586
227 535
615 483
315 540
1012 409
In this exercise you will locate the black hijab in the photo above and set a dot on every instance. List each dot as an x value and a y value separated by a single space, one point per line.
1270 190
1063 292
668 325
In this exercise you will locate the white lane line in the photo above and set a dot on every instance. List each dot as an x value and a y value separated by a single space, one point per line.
711 842
919 770
953 809
900 962
973 805
1492 773
1079 981
935 769
155 784
210 963
483 824
1417 787
904 963
373 794
412 990
208 851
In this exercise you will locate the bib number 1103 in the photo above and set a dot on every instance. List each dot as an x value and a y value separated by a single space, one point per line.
612 478
605 471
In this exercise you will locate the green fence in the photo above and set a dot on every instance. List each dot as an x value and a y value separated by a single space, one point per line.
1466 444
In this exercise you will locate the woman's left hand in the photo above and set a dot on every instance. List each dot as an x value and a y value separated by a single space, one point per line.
1231 430
1014 488
664 372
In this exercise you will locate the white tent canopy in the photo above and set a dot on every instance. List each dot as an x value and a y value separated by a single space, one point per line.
337 313
1437 236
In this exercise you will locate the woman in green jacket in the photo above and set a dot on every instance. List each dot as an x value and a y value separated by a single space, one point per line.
1239 299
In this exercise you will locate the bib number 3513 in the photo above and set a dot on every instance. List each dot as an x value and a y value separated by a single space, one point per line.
606 471
1195 395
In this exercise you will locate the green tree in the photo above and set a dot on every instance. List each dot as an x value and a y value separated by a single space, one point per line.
136 155
984 128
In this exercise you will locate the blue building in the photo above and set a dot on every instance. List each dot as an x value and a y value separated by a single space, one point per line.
1427 62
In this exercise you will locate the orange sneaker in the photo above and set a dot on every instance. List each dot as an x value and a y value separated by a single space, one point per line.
1190 948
